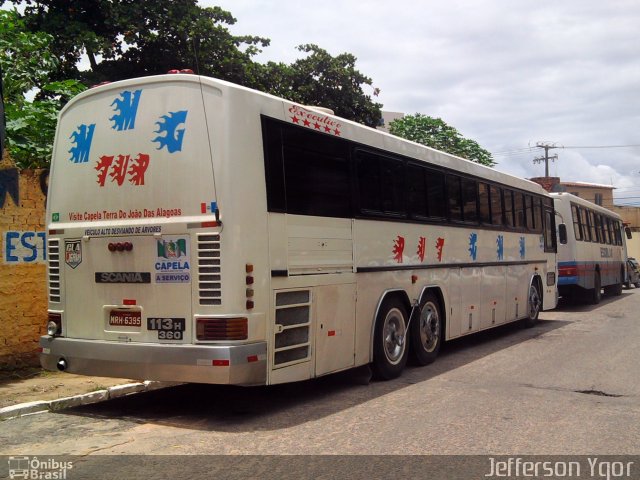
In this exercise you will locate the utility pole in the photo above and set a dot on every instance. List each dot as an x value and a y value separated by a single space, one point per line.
547 146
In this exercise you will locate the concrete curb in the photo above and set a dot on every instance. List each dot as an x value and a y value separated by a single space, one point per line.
29 408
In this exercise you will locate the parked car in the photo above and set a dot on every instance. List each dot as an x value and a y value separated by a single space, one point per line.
633 272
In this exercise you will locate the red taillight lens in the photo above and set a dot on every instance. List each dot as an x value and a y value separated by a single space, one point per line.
111 247
222 329
571 271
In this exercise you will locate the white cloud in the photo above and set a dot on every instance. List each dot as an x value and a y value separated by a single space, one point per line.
507 74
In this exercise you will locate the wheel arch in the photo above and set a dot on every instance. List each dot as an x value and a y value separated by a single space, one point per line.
398 293
437 291
538 279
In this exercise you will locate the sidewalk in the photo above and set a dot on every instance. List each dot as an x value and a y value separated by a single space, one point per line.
35 390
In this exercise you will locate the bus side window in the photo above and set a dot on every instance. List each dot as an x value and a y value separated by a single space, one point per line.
485 203
454 194
528 212
508 208
549 227
577 228
435 194
594 228
496 206
537 214
469 200
381 182
584 221
519 210
417 191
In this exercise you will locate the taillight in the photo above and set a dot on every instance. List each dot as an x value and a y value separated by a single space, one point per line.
54 324
569 271
222 329
249 291
120 247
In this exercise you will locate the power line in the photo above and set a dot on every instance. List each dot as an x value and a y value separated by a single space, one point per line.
602 146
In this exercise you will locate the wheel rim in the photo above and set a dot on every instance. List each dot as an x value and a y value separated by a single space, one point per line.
429 327
394 334
534 302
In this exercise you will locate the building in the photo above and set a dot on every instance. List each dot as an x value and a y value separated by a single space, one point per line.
387 118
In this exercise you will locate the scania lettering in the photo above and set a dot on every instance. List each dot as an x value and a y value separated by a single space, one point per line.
282 241
122 277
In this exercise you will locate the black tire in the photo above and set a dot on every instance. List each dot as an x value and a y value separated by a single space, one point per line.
390 340
426 332
637 284
595 294
615 289
534 304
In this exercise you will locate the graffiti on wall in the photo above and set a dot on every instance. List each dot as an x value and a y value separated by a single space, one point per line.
9 186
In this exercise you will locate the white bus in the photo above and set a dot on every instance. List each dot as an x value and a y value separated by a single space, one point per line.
200 231
591 254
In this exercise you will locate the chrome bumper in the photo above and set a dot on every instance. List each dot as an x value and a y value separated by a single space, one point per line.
229 364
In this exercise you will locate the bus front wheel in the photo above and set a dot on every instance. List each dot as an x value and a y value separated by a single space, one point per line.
390 340
426 332
534 304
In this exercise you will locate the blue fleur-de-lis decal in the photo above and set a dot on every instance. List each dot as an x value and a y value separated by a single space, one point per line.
522 248
173 136
126 107
82 138
473 245
500 245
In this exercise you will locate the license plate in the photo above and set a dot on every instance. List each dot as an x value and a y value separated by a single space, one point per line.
125 318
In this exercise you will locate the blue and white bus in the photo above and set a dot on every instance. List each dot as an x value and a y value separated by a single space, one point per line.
591 251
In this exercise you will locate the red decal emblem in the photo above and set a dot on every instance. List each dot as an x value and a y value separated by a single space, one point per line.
118 168
398 249
422 243
314 120
439 247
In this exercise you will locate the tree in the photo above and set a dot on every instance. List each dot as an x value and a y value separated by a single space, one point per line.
27 63
435 133
333 82
133 38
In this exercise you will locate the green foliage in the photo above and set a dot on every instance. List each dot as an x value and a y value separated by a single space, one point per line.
27 64
332 82
25 59
435 133
135 38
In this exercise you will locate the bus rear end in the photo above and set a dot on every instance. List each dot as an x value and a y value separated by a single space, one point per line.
134 255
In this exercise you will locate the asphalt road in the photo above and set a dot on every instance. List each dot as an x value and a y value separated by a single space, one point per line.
570 385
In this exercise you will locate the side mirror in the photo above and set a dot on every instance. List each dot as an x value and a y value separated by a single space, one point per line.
562 233
627 232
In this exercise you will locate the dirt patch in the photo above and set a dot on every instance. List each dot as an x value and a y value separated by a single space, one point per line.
32 384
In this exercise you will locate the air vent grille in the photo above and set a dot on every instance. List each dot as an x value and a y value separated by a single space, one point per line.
53 266
209 278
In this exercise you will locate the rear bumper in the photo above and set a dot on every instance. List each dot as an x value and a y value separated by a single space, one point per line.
228 364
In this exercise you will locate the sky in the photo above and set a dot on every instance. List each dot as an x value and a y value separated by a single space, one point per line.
507 74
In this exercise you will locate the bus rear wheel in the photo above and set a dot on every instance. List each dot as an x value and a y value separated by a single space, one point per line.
426 332
390 340
595 294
